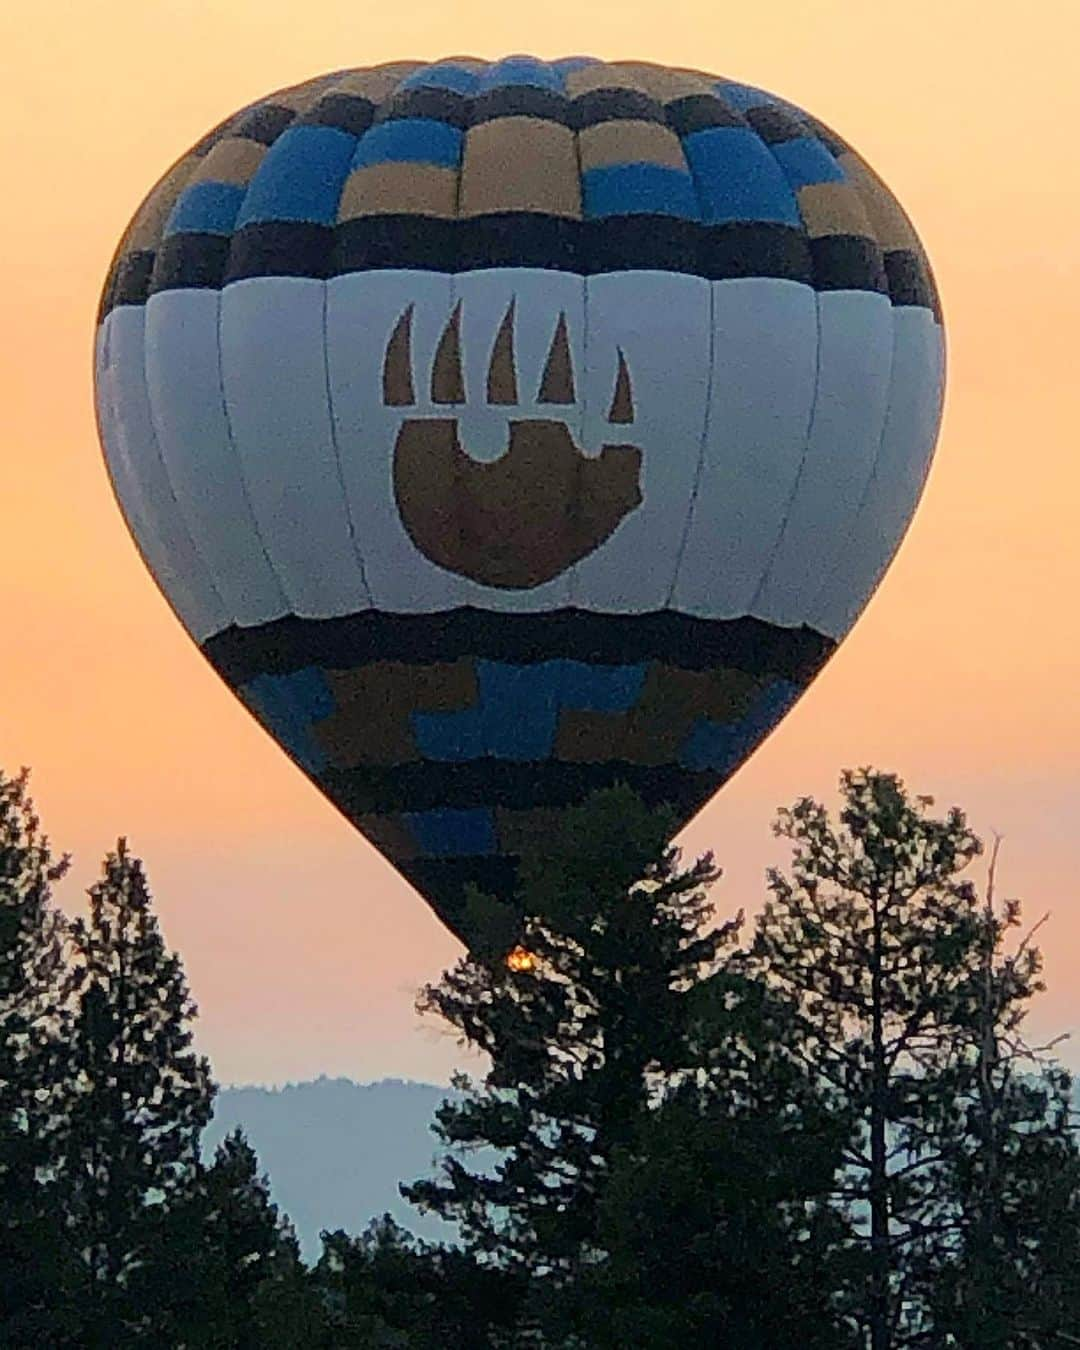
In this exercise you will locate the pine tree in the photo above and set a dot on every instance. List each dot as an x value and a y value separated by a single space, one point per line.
243 1286
573 1032
141 1095
1008 1278
717 1224
34 1254
1007 1273
385 1289
888 953
620 1033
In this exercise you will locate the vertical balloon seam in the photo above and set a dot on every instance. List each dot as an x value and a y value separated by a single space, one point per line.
155 431
706 428
455 302
141 376
158 333
800 472
792 496
130 515
286 600
583 384
135 518
887 560
570 523
820 596
817 602
581 389
336 446
583 404
150 513
459 177
458 501
815 607
575 381
928 466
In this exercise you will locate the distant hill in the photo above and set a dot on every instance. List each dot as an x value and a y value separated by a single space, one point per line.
335 1150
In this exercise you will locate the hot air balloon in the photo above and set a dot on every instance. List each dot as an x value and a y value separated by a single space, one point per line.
505 430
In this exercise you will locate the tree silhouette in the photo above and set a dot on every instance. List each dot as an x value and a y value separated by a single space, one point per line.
385 1288
34 1253
874 936
717 1224
909 1010
835 1139
625 1044
243 1286
573 1037
139 1095
1007 1272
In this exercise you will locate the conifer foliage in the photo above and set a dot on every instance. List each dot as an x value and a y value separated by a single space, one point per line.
908 1006
828 1135
614 935
386 1289
140 1095
33 1024
223 1268
113 1230
1007 1271
647 1123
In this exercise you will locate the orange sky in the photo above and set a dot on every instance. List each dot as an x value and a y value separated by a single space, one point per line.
302 946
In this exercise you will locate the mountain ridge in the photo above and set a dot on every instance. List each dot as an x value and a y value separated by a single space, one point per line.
335 1149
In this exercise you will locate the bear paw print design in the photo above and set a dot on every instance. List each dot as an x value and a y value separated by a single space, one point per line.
525 518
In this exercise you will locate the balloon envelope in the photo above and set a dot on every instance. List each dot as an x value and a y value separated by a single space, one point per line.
505 430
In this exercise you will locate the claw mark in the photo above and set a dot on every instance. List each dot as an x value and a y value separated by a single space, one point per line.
397 377
447 380
622 404
502 371
557 386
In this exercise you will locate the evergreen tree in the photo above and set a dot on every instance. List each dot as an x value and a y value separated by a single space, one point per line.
623 1038
875 936
141 1096
1009 1278
1007 1273
385 1289
838 1138
241 1283
34 1253
573 1032
370 1287
717 1224
908 1008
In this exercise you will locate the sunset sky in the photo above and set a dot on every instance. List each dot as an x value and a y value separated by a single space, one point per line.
303 948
